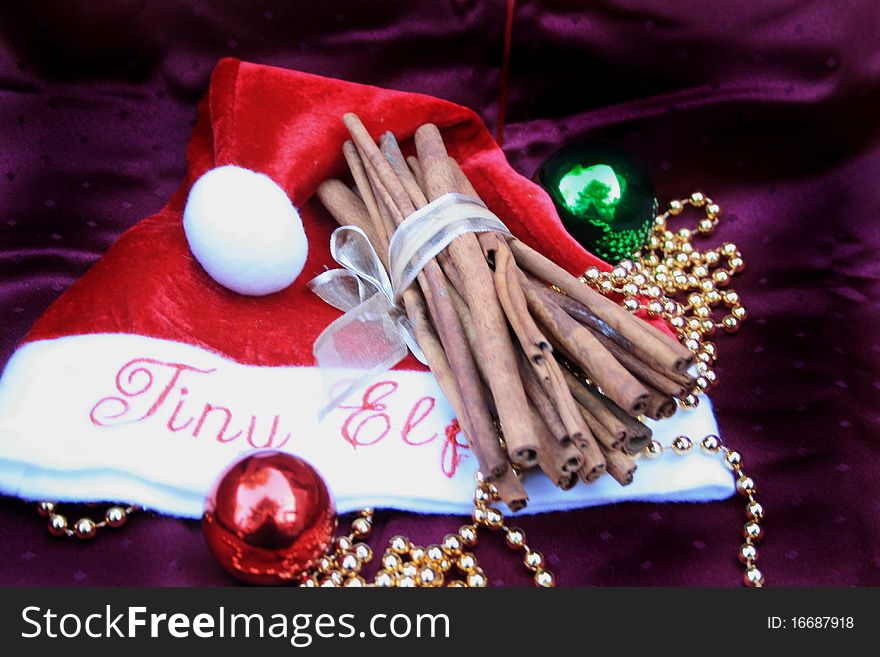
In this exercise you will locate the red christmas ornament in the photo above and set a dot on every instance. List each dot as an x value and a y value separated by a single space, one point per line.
268 518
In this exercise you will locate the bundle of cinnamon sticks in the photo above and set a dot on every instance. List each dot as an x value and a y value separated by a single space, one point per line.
540 369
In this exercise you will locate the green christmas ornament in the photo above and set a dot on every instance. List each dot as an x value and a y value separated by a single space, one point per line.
605 199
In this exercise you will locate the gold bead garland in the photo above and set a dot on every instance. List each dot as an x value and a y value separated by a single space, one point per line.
449 563
752 530
671 279
84 528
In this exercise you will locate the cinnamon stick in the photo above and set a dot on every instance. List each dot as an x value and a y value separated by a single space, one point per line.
372 188
361 181
616 432
589 475
588 352
674 384
348 209
493 340
594 460
584 441
391 150
567 458
474 407
556 461
541 402
529 459
535 346
490 456
646 340
619 428
603 434
620 466
660 406
508 285
416 169
476 292
645 373
513 302
636 435
586 316
511 490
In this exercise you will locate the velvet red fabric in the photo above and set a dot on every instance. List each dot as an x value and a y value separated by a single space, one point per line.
769 107
288 125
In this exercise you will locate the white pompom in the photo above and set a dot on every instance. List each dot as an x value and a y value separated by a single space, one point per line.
244 231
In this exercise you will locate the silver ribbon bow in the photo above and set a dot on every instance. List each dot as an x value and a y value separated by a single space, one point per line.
374 334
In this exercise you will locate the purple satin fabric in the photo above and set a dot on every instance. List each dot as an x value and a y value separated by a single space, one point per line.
769 107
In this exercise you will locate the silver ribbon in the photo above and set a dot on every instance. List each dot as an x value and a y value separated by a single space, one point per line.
374 334
426 232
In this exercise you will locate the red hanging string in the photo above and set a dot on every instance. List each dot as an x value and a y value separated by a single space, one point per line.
505 70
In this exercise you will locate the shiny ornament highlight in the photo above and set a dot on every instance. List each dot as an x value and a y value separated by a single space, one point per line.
269 518
606 200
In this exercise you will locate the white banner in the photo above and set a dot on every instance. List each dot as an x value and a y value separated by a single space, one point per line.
132 419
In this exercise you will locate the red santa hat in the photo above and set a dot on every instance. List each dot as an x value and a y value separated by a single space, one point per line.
130 358
288 126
